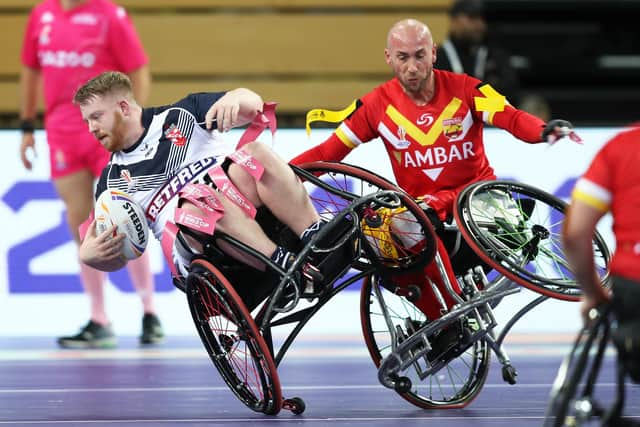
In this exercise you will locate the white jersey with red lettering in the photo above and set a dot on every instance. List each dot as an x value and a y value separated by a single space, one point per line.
175 150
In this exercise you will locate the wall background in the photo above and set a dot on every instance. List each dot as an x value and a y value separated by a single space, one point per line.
40 294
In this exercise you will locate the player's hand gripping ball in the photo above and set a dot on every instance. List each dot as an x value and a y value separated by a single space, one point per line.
115 207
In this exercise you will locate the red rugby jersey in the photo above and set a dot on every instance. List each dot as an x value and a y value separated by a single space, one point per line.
612 183
435 149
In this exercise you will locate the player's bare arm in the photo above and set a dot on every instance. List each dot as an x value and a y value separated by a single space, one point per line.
236 108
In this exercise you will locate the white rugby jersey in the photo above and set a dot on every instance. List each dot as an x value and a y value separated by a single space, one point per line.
176 149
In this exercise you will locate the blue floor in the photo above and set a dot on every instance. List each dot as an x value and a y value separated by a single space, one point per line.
174 384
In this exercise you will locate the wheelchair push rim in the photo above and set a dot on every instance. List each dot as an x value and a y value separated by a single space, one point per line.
393 240
232 339
516 229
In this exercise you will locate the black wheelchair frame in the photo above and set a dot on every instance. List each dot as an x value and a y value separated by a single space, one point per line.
573 399
229 331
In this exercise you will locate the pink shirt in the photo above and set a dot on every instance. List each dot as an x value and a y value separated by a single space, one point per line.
70 47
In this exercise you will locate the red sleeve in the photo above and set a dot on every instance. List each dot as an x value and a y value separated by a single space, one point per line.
520 124
442 202
330 150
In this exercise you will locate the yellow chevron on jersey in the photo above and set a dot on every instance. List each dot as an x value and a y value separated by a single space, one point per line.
492 102
422 138
319 114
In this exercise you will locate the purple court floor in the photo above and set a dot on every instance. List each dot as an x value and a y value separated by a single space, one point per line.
174 384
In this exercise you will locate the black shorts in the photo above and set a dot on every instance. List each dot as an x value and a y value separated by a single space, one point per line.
626 335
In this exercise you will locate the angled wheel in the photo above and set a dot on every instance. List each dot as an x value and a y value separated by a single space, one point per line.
399 239
232 339
454 386
516 229
572 401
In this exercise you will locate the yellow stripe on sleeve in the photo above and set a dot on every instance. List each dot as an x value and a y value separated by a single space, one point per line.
590 200
344 138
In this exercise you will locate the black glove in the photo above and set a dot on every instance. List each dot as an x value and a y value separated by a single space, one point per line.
557 129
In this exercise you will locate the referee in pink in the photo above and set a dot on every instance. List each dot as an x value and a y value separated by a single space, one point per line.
66 43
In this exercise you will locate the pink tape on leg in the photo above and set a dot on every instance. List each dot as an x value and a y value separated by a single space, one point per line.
263 120
206 200
224 185
166 243
203 224
248 163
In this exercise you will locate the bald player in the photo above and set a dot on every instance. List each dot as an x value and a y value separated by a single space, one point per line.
430 122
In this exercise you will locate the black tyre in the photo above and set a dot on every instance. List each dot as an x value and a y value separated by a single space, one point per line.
572 401
232 339
399 239
453 386
516 229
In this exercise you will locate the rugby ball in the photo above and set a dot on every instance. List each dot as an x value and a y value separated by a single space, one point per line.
115 207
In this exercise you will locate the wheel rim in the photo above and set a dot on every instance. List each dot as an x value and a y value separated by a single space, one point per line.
454 386
517 229
410 246
572 399
232 340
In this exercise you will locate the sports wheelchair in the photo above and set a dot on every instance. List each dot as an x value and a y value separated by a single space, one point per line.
574 399
376 232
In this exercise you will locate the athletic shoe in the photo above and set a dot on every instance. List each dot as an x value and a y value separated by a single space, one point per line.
93 335
152 332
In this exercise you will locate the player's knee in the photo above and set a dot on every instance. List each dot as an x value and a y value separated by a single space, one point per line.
261 152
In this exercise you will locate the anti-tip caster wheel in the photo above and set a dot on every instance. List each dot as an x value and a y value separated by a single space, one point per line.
296 405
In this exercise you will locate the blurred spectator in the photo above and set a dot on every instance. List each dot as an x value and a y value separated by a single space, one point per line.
536 105
466 50
67 42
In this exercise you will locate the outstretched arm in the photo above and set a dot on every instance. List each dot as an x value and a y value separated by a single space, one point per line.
333 150
496 111
236 108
